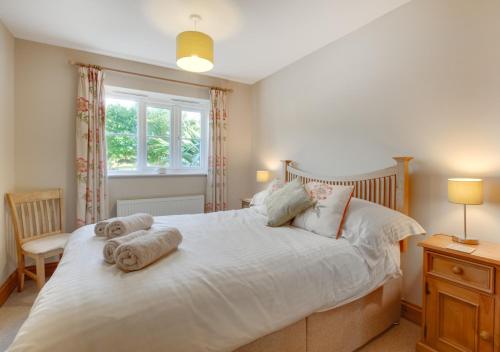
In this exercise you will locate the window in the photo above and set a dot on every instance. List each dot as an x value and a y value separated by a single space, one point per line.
152 133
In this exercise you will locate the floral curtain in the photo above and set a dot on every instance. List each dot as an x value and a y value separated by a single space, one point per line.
91 168
216 194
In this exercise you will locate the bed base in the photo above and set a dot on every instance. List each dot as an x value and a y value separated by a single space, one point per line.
342 329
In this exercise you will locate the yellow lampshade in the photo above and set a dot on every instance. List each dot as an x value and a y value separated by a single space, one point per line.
195 51
465 191
262 176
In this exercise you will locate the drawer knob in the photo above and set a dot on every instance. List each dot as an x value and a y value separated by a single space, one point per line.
484 335
457 270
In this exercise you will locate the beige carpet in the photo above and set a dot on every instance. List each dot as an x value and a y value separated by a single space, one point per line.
14 312
400 338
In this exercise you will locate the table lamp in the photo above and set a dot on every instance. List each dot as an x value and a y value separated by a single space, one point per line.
262 176
466 191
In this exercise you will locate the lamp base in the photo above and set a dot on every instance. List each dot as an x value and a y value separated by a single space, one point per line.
464 240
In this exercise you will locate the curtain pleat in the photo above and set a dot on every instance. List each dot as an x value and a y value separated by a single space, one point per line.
216 193
91 166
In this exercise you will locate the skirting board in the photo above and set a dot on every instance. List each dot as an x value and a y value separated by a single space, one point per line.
8 286
411 311
11 283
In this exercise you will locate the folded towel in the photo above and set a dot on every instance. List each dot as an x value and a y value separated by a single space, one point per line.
124 225
144 250
111 245
100 227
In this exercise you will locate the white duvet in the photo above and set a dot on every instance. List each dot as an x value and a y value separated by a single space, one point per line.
232 281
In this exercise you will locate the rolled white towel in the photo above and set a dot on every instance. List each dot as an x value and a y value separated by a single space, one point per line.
144 250
111 245
124 225
100 227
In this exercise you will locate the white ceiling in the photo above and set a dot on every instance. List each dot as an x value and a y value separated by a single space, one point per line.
253 38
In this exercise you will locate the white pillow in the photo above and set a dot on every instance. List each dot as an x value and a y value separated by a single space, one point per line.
259 198
258 202
372 228
325 217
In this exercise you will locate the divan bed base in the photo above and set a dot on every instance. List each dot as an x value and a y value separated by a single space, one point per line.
341 329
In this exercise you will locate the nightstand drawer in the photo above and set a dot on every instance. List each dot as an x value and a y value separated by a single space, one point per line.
473 275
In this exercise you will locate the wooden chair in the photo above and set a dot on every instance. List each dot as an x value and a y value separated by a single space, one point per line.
38 219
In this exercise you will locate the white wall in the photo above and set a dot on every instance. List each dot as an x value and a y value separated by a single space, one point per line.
424 81
7 247
45 125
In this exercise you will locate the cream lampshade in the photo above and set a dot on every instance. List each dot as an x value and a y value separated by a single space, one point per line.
262 176
466 191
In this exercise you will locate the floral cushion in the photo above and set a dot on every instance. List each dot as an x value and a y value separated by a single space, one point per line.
326 216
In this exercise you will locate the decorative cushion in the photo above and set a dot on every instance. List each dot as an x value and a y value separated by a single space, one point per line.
258 202
325 218
285 203
47 244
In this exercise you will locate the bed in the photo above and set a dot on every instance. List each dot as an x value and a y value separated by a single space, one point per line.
234 284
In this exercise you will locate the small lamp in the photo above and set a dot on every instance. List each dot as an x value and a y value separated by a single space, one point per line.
466 191
262 176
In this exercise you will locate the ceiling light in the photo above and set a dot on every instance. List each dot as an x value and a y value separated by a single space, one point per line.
195 50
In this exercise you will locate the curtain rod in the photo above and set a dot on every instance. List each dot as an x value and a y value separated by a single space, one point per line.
150 76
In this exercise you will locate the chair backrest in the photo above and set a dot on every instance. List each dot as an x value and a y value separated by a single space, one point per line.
36 214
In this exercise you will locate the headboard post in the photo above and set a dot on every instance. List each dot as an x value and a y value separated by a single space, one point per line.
403 184
284 166
403 191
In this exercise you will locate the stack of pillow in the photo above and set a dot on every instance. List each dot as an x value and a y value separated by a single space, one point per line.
316 207
332 211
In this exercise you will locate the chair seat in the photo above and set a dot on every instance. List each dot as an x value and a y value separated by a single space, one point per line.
46 244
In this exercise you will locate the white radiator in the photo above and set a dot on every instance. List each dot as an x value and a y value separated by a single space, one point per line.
161 206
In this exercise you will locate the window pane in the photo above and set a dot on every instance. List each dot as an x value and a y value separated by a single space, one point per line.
191 125
191 138
121 116
122 151
158 120
158 151
158 140
121 134
191 152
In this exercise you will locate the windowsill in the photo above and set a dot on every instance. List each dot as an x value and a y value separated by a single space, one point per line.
133 175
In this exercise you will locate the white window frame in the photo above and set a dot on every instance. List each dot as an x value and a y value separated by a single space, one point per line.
176 104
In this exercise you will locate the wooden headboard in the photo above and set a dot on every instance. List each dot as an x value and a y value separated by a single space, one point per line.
389 187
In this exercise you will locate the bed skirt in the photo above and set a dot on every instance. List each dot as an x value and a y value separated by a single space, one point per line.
341 329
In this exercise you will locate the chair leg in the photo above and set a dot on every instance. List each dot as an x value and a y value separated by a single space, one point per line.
20 273
40 271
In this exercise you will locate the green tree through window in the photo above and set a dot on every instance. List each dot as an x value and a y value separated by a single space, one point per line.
144 135
191 138
121 134
158 136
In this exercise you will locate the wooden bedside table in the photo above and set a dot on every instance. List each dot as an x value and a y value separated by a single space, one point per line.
461 297
245 203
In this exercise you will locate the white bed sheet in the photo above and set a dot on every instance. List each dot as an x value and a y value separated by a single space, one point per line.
232 281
